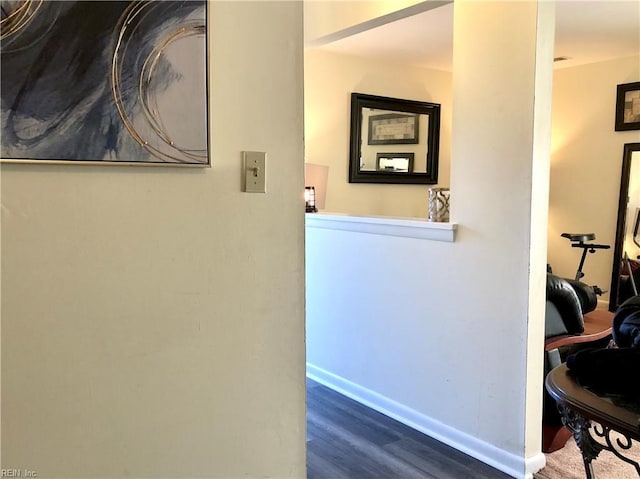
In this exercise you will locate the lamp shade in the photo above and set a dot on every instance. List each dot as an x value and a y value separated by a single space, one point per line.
316 176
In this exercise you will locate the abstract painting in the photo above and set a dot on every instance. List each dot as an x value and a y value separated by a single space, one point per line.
107 82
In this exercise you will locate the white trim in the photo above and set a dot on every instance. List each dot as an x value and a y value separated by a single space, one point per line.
515 466
384 225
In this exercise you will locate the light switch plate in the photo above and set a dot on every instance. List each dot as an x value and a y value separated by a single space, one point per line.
255 171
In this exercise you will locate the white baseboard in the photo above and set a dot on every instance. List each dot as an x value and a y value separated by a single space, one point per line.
515 466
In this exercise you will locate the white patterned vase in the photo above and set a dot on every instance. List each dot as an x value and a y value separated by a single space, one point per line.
439 204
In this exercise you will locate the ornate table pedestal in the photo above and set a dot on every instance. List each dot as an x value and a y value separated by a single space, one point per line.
617 426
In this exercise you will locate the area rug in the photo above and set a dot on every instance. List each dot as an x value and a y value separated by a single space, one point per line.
567 464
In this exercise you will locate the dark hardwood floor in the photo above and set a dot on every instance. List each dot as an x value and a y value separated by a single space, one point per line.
346 440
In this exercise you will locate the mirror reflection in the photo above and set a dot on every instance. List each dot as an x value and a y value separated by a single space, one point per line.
400 135
393 140
392 162
625 280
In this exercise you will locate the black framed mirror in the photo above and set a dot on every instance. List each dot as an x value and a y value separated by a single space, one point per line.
625 277
393 140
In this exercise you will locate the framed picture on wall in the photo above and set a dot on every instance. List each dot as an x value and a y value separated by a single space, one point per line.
109 82
628 107
395 162
393 129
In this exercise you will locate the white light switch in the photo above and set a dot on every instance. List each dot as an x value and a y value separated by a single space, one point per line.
255 171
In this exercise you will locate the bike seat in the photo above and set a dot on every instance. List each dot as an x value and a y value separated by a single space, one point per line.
579 237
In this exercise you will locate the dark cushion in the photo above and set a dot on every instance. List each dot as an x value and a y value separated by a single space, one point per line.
626 324
586 295
567 304
553 322
609 371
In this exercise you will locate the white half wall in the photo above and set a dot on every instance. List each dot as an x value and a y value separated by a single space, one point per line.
384 327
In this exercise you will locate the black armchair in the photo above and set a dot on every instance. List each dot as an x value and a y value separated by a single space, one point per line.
568 301
564 308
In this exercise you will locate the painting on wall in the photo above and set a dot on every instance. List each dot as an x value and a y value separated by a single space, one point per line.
108 82
628 107
393 129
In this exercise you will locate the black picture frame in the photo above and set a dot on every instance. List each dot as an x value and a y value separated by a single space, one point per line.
380 157
394 129
628 107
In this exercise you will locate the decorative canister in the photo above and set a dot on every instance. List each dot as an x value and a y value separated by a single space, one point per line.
439 204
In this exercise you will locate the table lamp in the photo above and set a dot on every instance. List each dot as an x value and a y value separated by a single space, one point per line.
315 180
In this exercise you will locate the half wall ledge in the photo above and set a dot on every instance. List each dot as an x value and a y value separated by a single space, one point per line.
384 225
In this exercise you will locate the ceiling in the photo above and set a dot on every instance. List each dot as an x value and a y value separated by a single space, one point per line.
586 32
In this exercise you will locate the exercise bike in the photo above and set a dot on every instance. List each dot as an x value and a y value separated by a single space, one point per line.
587 294
581 241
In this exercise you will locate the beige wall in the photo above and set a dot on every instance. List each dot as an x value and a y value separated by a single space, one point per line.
153 318
433 337
330 79
586 163
499 187
586 151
